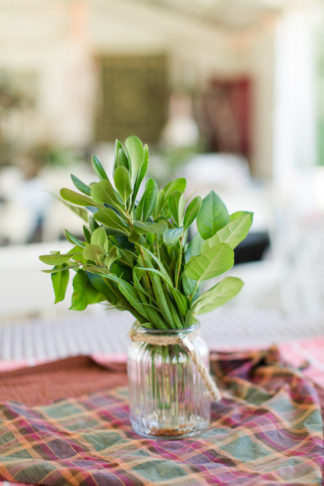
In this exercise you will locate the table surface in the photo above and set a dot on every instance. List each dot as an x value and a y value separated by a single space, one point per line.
27 343
295 352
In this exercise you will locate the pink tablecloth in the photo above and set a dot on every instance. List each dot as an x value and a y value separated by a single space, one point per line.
307 354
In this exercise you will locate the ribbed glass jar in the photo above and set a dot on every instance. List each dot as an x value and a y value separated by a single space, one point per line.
167 396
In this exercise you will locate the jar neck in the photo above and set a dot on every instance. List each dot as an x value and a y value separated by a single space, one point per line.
166 332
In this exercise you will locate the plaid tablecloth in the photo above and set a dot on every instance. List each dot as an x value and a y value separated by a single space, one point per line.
267 430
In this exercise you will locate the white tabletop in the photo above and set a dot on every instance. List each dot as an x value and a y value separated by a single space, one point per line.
107 332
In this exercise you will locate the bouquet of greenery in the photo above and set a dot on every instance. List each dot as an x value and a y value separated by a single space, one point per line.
136 253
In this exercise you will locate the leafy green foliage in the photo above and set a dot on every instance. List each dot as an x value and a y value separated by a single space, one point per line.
136 255
103 193
83 292
233 233
178 185
150 228
99 237
192 211
213 215
135 152
177 206
211 263
94 253
141 173
111 219
218 295
76 198
171 236
60 280
123 182
148 201
55 258
98 169
81 185
73 239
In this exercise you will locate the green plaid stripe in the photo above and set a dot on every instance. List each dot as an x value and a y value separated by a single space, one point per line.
267 430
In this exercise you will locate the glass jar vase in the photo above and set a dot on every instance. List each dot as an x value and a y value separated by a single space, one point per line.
167 395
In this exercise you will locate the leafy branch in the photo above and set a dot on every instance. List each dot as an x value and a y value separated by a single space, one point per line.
136 255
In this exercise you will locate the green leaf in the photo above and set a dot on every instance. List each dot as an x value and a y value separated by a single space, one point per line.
113 255
123 182
87 234
83 292
193 247
192 212
159 204
93 252
127 256
135 152
214 261
218 295
129 292
173 312
179 298
213 215
147 203
121 270
54 259
188 284
118 146
123 242
171 236
99 237
111 282
161 299
155 228
81 185
68 266
158 262
132 297
93 224
110 218
177 205
178 185
101 286
238 214
166 278
103 192
98 168
138 309
123 160
60 281
181 301
76 198
77 254
233 233
73 239
141 174
137 275
136 238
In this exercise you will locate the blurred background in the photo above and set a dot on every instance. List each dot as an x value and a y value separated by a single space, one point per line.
228 93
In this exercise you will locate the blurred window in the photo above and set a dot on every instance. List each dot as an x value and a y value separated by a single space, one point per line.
134 97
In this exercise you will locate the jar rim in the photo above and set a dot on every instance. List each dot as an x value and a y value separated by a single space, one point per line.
173 332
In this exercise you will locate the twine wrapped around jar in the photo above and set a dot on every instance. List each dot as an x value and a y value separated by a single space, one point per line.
184 340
